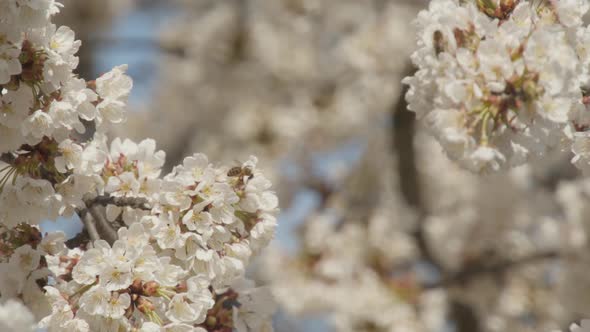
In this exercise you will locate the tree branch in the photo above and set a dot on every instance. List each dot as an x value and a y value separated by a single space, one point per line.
80 240
464 317
7 158
102 225
409 182
133 202
480 268
89 226
96 225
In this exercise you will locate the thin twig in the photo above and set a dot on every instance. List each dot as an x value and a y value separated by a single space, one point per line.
480 269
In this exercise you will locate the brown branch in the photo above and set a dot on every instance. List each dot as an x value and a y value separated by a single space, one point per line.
7 158
96 225
104 229
133 202
403 146
79 240
176 153
464 317
480 269
89 226
409 182
462 314
403 132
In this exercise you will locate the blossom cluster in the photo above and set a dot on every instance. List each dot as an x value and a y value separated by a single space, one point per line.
175 262
163 253
179 262
41 97
41 103
500 82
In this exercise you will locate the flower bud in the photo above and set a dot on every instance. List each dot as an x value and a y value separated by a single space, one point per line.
150 288
144 305
136 287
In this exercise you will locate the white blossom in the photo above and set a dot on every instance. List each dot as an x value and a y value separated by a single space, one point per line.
14 316
498 86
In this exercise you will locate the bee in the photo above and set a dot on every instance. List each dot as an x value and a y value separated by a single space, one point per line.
439 42
240 172
234 171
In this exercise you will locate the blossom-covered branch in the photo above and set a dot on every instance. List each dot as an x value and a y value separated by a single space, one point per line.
158 253
500 83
